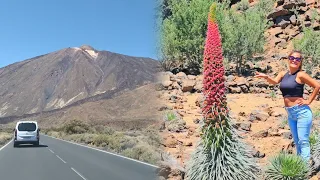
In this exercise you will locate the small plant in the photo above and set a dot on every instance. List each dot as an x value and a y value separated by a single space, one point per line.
284 122
170 116
314 137
288 167
316 114
273 95
315 149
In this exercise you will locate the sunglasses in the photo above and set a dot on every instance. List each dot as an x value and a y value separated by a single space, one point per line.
291 58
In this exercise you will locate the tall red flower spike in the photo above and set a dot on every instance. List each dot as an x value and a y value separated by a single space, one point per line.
220 155
213 70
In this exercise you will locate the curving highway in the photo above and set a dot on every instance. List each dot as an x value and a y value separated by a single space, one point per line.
57 159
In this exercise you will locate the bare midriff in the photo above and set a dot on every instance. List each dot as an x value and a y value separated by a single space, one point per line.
291 101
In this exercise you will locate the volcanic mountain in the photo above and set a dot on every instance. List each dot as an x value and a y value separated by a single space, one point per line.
69 77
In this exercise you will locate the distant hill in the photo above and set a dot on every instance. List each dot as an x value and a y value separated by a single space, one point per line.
69 78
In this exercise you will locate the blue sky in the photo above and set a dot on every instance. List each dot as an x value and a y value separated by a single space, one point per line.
32 28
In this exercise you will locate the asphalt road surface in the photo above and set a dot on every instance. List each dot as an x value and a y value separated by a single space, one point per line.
60 160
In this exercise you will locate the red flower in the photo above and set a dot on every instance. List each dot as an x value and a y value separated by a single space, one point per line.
213 69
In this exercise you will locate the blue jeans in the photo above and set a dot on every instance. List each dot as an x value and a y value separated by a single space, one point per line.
300 122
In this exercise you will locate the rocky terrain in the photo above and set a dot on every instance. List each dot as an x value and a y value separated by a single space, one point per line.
256 106
286 24
259 117
287 20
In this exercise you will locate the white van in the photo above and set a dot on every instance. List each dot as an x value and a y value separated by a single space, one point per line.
26 132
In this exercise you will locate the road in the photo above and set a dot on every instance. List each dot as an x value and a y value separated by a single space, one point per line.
56 159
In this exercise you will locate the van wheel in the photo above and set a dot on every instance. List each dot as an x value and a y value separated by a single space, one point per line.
37 143
15 144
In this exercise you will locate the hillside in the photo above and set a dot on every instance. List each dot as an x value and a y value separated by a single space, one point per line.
65 77
131 110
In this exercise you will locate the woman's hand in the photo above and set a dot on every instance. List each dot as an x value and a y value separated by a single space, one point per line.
261 75
302 101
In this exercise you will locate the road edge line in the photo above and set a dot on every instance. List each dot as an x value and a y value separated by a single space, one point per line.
105 152
6 144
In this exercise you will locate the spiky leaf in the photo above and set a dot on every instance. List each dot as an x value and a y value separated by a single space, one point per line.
287 167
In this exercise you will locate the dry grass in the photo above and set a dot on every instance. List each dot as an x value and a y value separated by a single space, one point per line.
141 145
5 137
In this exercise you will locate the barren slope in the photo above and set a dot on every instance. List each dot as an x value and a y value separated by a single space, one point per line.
61 78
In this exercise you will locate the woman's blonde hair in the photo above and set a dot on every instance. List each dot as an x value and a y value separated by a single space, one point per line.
297 51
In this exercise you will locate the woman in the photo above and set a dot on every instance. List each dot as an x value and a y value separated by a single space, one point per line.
299 113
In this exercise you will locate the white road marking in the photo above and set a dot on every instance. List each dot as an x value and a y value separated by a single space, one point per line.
78 174
51 150
6 144
104 151
61 159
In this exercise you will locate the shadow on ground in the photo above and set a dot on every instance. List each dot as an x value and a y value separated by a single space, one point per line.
30 146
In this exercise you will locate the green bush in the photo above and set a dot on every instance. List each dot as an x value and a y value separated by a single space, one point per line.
243 33
287 166
183 32
309 44
100 139
75 127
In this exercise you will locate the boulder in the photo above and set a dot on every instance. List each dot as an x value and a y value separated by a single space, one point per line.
198 87
289 4
192 77
258 115
244 126
261 134
187 85
234 90
181 75
166 84
279 11
282 21
276 31
293 19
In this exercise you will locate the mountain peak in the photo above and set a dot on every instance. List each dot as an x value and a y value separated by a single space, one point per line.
90 50
87 47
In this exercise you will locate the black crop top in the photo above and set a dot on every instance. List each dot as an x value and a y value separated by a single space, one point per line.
289 86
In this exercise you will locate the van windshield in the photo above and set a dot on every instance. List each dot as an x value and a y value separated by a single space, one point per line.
27 127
